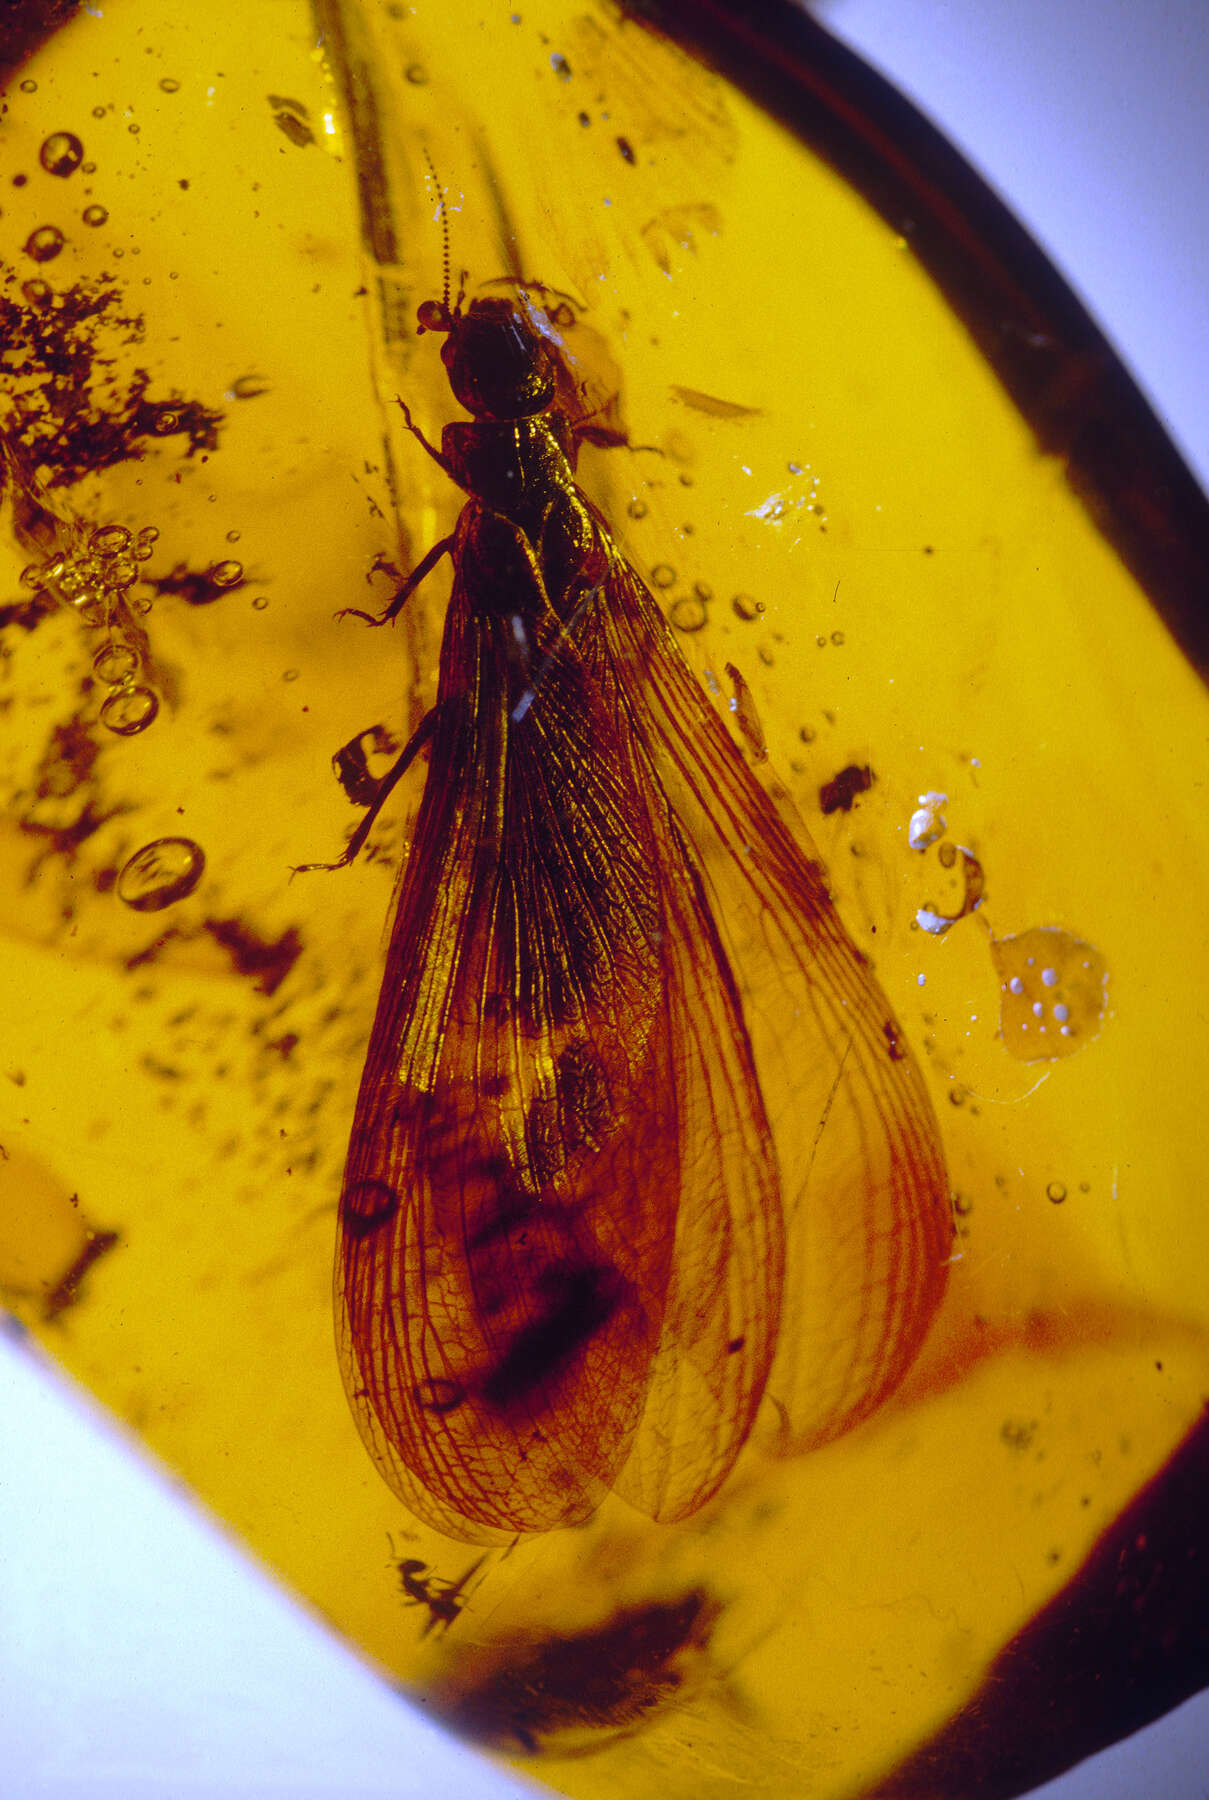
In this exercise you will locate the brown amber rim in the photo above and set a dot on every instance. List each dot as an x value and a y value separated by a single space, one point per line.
1054 362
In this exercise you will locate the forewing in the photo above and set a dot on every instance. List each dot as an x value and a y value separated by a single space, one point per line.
723 1301
862 1177
509 1203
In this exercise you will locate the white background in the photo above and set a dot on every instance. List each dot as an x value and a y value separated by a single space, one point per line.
140 1656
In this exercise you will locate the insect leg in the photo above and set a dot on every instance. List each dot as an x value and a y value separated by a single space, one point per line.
405 591
407 756
416 433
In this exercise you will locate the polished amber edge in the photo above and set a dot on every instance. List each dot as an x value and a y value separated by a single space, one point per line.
1123 1643
1054 362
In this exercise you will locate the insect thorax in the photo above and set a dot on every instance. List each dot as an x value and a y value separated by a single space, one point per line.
519 476
512 465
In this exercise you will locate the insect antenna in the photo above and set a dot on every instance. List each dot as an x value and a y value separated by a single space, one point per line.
443 216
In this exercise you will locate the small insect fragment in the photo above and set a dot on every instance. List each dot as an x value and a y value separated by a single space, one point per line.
292 119
445 1600
713 405
841 792
67 1291
638 1141
747 717
351 763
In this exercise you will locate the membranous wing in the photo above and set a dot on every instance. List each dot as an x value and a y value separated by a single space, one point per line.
561 1250
863 1187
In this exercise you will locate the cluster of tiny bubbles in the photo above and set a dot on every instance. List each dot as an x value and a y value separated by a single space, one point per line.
94 579
1053 992
637 509
663 575
1056 1192
161 873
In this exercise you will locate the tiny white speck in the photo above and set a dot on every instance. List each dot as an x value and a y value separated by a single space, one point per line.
1061 1013
1038 1010
1050 977
1016 985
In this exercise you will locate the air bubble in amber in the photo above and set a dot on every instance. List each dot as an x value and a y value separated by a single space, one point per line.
161 873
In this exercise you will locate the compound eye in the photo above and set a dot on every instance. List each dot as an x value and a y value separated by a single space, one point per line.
433 315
